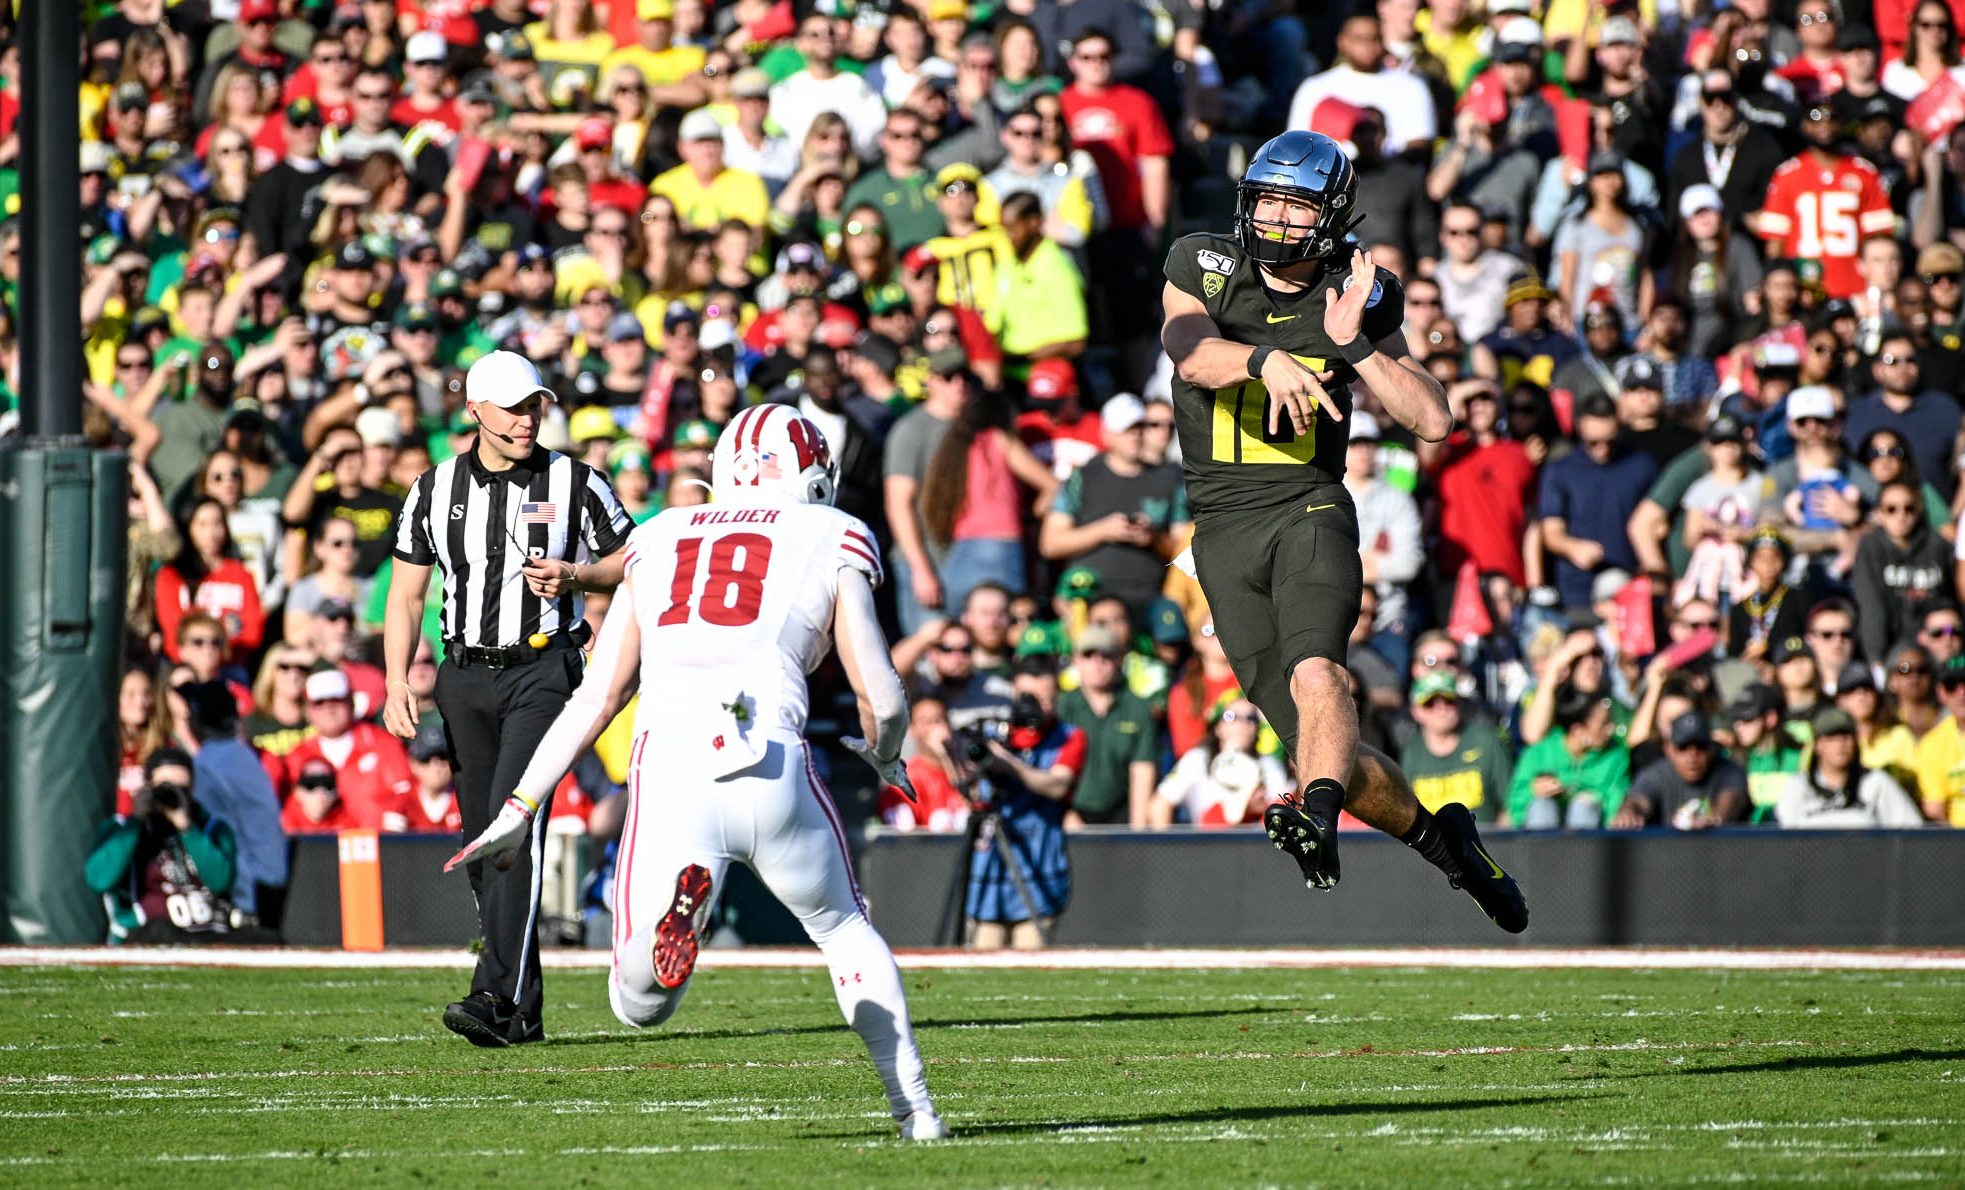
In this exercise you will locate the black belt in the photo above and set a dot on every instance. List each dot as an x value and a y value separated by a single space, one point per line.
509 656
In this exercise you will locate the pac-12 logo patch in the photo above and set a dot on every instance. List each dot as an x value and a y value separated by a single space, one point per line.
1211 283
1215 262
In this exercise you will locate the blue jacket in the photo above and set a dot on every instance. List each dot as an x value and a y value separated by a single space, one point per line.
233 786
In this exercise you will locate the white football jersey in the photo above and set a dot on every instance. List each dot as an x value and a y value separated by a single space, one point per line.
735 604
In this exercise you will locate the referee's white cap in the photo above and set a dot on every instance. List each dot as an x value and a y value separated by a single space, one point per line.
503 378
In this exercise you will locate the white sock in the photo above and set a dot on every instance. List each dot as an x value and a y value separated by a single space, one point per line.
868 987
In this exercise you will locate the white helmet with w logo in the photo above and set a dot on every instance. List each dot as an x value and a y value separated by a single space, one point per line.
769 453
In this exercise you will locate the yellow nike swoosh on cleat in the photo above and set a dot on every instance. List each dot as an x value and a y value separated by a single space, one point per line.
1496 868
1273 319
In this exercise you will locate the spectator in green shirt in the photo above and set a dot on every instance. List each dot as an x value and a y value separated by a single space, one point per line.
1576 777
1121 738
1450 758
1764 745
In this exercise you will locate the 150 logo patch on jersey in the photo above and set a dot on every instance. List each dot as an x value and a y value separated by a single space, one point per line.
1215 262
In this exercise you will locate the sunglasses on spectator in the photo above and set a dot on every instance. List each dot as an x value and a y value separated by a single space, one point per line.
1942 630
597 301
1896 509
1091 56
1940 278
293 667
955 188
1238 717
1159 423
1026 132
1460 231
1696 625
1101 653
204 642
948 648
1913 671
1811 421
1890 359
374 96
1831 634
133 362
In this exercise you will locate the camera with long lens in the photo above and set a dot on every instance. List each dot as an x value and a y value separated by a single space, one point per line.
1026 717
169 796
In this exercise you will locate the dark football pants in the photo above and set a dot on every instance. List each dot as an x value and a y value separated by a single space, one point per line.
1284 584
495 718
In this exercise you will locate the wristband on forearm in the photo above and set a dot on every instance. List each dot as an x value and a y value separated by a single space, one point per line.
1257 358
1357 351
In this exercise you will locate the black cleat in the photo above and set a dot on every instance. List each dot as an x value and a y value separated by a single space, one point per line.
1307 839
482 1018
525 1030
1475 872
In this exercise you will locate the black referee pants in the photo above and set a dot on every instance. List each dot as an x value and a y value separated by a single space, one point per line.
495 718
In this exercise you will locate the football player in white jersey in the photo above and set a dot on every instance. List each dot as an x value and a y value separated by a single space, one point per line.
725 608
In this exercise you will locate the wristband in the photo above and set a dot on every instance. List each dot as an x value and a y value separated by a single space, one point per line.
1257 358
529 807
1357 351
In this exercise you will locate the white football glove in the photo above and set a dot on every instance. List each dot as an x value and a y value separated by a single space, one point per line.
505 834
892 772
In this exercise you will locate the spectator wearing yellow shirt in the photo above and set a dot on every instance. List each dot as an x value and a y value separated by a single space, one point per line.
967 254
1452 32
1038 310
654 54
704 190
1941 753
569 46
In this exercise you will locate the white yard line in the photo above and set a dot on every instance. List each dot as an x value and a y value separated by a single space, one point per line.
1606 958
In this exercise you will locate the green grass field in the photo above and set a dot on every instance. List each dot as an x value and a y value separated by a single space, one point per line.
165 1076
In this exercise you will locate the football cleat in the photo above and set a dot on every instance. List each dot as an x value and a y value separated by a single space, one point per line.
923 1125
483 1019
1475 873
676 940
1307 839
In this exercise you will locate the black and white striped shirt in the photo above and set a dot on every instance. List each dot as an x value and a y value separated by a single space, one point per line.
479 526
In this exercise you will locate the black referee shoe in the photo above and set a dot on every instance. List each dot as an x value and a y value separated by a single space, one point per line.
482 1018
1475 873
1307 839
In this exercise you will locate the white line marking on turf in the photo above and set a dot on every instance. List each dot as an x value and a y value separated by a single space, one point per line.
1609 958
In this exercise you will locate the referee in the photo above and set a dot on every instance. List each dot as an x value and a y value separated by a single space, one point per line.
519 532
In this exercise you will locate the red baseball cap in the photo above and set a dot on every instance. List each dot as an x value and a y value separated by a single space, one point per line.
593 133
1052 379
919 259
259 10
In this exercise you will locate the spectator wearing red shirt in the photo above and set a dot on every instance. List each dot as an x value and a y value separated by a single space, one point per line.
1485 484
1816 71
431 807
1189 700
316 808
1056 428
938 804
593 139
423 98
1120 126
1822 206
371 769
207 576
327 79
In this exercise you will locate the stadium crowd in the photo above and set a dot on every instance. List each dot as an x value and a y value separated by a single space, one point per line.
1691 278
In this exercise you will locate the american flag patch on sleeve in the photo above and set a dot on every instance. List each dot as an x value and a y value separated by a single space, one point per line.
538 513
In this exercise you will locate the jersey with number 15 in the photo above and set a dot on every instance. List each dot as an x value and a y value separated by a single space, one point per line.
740 598
1231 459
1824 210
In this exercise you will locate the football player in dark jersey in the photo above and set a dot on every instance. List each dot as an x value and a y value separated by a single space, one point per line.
1267 331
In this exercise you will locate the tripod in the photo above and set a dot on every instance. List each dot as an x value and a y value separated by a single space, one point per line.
986 828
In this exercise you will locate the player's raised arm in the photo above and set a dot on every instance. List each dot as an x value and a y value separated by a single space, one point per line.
1408 392
613 675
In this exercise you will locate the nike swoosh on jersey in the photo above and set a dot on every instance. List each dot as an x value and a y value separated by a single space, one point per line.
1273 319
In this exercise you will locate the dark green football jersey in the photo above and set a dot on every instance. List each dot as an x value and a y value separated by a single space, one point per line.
1231 458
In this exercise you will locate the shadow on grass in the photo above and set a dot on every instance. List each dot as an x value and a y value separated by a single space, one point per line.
1254 1115
920 1023
1806 1062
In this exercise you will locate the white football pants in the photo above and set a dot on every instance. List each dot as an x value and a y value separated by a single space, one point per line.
777 818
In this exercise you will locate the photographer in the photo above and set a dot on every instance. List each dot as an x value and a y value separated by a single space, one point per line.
166 868
938 805
1020 774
